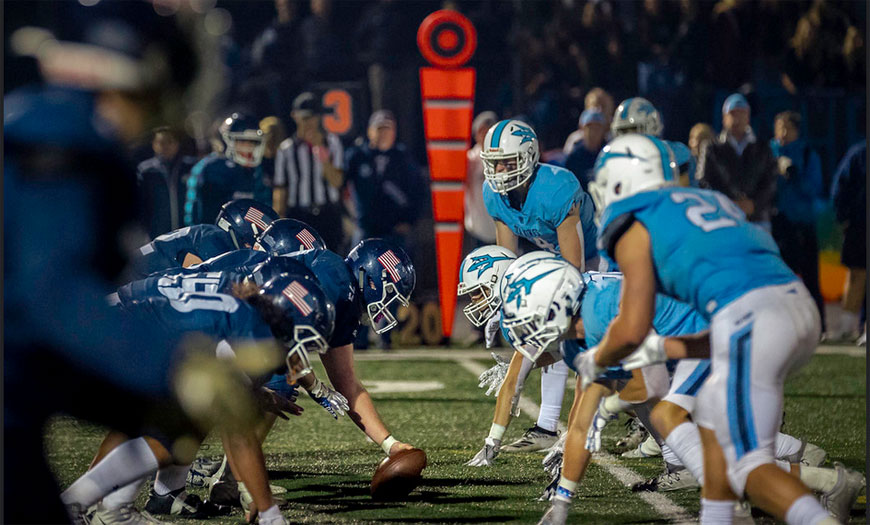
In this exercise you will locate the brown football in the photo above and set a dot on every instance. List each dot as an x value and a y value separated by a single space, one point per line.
398 475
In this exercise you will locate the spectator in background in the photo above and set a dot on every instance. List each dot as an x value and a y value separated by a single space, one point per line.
739 166
162 181
602 101
700 134
849 194
478 222
323 53
276 60
798 196
580 162
308 174
387 185
274 134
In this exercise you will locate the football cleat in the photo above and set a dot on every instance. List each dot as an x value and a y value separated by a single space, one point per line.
123 515
181 503
648 449
742 513
557 514
533 440
809 455
636 435
78 514
838 501
667 482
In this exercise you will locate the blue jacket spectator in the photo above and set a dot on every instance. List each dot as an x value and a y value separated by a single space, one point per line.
799 184
581 160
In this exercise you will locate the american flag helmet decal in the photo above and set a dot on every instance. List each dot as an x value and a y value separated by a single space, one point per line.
296 293
390 262
255 217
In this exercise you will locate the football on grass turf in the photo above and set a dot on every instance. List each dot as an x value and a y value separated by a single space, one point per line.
398 475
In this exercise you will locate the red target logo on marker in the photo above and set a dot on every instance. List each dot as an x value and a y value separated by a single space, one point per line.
447 39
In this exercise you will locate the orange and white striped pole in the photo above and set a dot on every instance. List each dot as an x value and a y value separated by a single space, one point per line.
447 40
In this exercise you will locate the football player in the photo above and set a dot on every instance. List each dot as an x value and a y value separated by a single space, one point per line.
234 174
368 286
695 246
289 309
238 225
545 205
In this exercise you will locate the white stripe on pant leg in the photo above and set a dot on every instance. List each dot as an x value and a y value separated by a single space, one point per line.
659 502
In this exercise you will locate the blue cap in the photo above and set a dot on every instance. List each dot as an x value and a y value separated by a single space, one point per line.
734 101
591 115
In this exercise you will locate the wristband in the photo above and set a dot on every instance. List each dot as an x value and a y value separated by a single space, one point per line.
388 443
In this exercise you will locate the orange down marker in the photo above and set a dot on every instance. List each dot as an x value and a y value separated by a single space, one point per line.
447 39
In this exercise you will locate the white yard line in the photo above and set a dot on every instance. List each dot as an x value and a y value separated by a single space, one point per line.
659 502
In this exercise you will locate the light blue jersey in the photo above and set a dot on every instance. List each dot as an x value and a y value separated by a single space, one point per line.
705 252
553 193
600 305
685 162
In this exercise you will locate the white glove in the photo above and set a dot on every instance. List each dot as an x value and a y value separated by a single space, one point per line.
650 352
553 460
599 421
486 456
492 378
557 514
491 330
550 492
329 399
586 367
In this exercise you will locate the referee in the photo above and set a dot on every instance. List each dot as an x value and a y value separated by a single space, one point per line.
309 173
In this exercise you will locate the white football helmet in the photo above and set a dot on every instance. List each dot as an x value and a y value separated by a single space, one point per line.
636 115
520 263
479 277
506 141
539 304
631 164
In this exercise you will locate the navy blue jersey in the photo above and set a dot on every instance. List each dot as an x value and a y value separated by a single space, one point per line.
238 261
169 250
337 282
214 181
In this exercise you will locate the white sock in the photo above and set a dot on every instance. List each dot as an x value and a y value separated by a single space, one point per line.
806 510
650 446
717 512
552 391
496 431
566 489
671 459
125 495
786 445
849 322
170 479
817 479
686 444
129 461
271 515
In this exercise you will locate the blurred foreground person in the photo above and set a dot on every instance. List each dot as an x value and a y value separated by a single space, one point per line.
67 201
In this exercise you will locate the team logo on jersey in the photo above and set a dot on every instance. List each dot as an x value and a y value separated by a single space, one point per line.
484 263
391 263
526 133
306 239
296 293
522 287
255 217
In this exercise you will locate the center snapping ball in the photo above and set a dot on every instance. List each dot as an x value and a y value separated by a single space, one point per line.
398 475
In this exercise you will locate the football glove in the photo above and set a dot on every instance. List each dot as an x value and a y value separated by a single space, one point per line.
650 352
491 330
599 421
492 378
550 492
486 456
557 514
270 401
587 369
329 399
553 460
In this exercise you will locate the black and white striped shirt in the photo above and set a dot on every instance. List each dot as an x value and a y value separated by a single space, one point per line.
297 168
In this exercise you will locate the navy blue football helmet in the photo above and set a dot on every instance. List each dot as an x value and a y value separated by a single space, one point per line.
245 220
301 317
244 139
274 266
385 276
288 236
